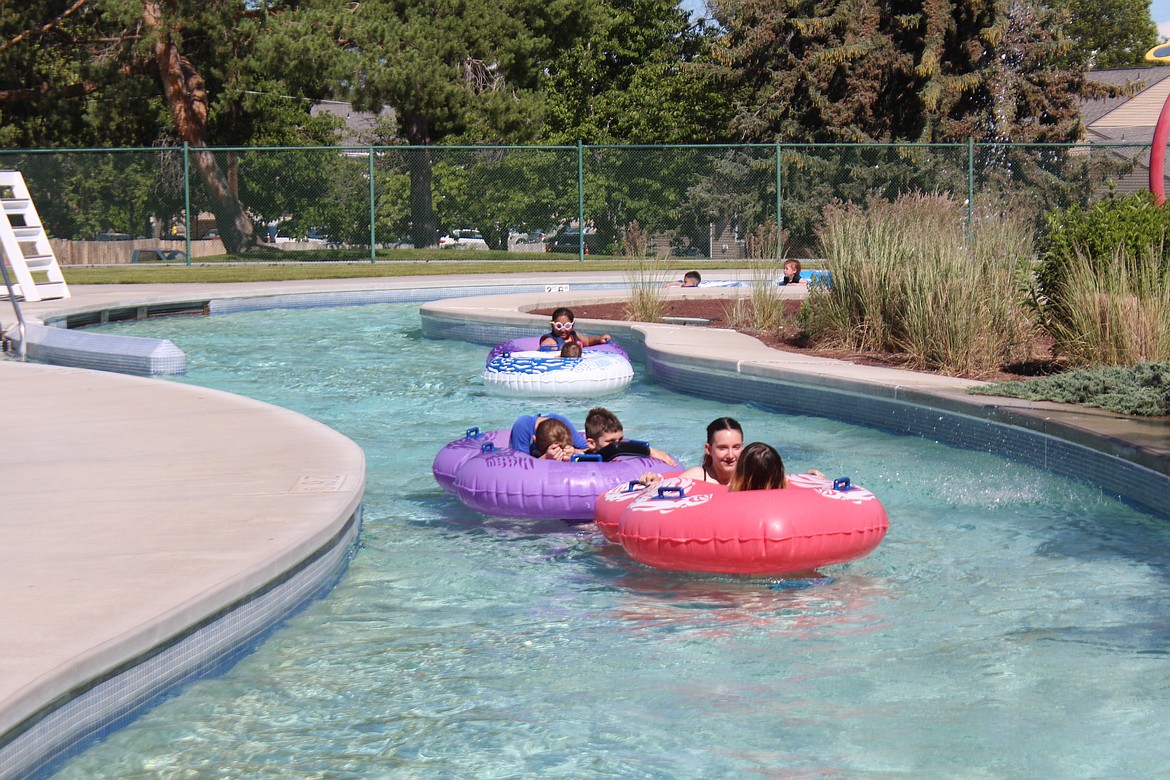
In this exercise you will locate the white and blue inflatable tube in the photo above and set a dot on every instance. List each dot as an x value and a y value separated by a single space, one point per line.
544 374
519 368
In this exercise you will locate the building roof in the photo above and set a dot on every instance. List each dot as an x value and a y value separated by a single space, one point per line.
1116 119
359 127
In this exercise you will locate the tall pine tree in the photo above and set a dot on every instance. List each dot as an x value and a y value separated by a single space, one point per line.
899 70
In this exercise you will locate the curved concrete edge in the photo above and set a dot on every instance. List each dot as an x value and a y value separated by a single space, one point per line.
1127 457
135 511
125 354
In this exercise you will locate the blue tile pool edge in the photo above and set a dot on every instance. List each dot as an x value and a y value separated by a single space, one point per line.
36 747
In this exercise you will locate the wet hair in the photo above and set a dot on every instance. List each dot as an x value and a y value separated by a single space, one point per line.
562 312
571 350
796 263
601 420
759 467
713 427
550 431
692 275
722 424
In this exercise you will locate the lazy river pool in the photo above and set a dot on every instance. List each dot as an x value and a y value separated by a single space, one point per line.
1012 623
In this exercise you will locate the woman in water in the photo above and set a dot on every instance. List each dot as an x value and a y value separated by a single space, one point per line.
720 454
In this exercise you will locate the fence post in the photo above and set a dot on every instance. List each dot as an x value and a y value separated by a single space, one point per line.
187 198
580 201
970 188
373 230
779 200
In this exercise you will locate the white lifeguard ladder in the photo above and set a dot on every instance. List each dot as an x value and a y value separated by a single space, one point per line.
26 247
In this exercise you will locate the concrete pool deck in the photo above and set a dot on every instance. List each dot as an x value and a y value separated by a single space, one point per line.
138 511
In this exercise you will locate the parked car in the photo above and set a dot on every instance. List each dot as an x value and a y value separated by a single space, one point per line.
465 238
568 240
529 237
158 256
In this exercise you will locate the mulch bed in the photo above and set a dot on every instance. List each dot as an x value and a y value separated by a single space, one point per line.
788 338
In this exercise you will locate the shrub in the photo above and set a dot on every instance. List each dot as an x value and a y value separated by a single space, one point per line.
1138 390
1134 226
1102 288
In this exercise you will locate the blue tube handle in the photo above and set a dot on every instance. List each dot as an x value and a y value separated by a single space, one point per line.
487 446
587 456
842 484
473 433
677 492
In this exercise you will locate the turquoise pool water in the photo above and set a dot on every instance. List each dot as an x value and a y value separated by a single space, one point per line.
1012 624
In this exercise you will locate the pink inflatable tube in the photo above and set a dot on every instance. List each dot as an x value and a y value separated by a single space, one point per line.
697 526
490 477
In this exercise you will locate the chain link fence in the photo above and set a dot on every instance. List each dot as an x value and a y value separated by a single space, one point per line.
355 203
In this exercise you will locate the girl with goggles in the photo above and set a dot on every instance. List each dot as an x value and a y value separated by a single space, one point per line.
562 332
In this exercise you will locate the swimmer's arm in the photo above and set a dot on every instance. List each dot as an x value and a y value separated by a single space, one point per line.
662 456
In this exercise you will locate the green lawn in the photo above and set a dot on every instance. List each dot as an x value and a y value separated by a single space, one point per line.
275 266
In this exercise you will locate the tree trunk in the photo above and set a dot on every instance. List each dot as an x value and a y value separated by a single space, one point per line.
186 94
424 228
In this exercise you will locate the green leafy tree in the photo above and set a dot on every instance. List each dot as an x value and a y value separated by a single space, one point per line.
503 190
157 73
452 70
56 88
998 72
633 72
1109 33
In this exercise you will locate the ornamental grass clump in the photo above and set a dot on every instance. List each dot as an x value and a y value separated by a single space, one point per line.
1112 311
763 309
765 248
1102 286
646 275
905 281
